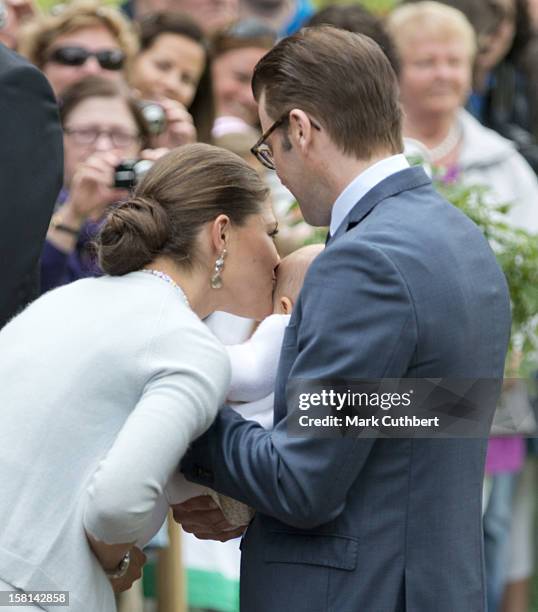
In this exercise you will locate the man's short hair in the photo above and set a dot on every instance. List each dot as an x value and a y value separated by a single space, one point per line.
343 80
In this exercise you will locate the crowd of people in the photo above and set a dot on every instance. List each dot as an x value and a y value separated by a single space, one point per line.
194 132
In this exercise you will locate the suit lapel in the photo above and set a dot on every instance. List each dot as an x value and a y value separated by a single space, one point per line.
410 178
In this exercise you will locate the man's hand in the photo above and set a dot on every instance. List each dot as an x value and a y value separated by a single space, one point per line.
134 571
202 517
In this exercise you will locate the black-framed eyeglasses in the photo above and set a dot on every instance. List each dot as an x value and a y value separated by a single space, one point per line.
262 151
109 59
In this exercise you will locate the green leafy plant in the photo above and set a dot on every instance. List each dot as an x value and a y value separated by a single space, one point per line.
517 253
379 7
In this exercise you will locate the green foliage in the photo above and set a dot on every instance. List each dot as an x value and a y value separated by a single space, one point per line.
318 236
379 7
46 5
517 253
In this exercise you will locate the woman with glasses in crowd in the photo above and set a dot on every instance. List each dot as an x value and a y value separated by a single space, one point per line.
103 126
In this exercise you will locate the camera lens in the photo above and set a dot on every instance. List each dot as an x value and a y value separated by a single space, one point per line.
154 116
141 167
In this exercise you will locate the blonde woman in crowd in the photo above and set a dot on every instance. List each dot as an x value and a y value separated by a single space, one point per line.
437 47
85 38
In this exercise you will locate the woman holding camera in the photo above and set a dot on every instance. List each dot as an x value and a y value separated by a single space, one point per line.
173 68
106 381
103 126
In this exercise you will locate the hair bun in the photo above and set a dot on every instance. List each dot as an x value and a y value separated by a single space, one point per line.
134 232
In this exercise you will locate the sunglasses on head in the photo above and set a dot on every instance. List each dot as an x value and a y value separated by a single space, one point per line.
109 59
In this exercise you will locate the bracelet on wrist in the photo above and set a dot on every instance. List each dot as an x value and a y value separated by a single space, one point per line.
121 570
57 223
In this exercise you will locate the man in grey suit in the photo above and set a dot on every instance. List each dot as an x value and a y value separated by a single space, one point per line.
406 288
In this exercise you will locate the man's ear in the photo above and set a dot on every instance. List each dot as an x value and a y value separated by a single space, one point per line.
220 230
285 305
300 129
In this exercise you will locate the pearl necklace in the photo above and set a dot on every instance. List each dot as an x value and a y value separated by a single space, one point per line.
447 144
170 281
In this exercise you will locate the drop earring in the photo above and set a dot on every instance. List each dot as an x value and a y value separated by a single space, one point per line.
216 279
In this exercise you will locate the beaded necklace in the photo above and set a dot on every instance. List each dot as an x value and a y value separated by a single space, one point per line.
448 143
168 280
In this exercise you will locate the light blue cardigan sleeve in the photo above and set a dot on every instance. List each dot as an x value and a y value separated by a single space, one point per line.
179 401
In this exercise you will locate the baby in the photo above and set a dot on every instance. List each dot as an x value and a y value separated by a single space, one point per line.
255 362
254 367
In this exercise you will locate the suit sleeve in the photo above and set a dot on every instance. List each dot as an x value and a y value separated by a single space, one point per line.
356 320
31 159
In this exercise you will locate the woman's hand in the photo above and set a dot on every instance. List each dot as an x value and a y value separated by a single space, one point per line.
180 128
110 556
90 192
92 189
134 571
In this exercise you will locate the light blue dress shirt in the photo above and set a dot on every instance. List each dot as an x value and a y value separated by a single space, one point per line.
362 184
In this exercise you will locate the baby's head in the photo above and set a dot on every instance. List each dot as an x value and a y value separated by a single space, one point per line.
290 277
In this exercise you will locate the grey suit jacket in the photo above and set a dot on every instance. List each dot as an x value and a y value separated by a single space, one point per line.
408 287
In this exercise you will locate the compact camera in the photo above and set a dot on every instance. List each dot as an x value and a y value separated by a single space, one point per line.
130 171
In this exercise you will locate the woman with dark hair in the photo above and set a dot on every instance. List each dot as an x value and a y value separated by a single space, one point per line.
106 381
103 126
236 51
174 65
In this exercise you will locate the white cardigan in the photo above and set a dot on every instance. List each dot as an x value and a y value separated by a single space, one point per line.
254 365
103 384
486 158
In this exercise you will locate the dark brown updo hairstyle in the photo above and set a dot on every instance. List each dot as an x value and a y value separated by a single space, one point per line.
184 190
100 87
150 27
